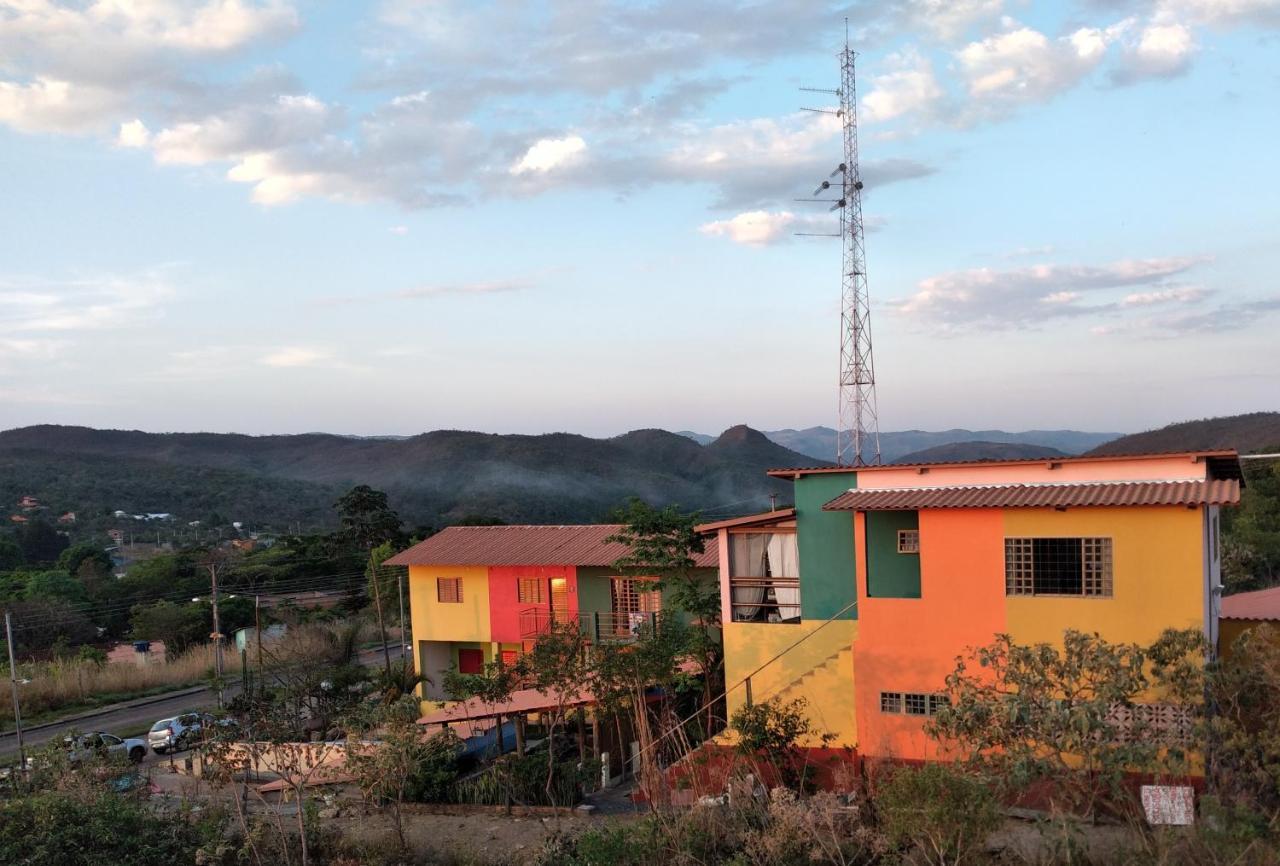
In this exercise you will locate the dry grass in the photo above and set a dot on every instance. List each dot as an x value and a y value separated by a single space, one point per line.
64 684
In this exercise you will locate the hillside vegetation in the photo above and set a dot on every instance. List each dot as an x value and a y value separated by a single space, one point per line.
1254 432
432 479
960 451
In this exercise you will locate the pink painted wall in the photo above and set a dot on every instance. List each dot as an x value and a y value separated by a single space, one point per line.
504 599
1159 468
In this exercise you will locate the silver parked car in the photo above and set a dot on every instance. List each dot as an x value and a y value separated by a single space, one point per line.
182 731
81 746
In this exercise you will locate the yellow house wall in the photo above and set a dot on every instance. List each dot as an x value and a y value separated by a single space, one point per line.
1157 574
468 621
820 670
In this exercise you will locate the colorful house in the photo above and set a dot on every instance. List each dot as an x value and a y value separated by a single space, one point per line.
861 597
483 593
1248 610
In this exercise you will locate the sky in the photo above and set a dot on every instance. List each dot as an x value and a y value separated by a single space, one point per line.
398 216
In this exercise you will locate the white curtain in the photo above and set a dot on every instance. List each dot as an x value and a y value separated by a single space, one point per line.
747 553
784 561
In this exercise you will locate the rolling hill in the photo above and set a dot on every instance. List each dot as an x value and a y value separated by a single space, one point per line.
959 451
432 479
1254 432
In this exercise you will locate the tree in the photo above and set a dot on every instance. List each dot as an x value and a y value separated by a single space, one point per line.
74 556
366 517
179 626
1251 533
1031 713
393 762
55 585
10 554
663 542
40 542
556 666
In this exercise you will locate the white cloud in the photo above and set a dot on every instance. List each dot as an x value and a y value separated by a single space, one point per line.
1162 50
550 153
948 19
296 356
133 134
31 306
399 230
1020 297
908 86
52 105
1023 65
1220 12
763 228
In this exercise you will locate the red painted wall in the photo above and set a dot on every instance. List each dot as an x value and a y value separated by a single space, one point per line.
504 599
910 644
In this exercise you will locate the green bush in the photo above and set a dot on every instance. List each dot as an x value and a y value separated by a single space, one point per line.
54 827
943 812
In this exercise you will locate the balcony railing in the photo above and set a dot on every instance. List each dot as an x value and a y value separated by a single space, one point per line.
597 626
765 599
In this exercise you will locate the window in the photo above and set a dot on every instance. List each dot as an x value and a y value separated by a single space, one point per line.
912 703
764 581
634 595
470 661
1058 566
908 541
449 590
509 658
529 590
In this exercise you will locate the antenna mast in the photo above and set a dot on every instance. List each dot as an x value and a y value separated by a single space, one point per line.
858 428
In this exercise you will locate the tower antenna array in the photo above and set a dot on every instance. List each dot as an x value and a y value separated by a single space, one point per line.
858 427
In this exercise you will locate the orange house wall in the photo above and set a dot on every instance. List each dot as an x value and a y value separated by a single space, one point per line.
910 645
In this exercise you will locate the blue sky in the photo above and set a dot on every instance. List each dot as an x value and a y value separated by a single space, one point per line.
399 216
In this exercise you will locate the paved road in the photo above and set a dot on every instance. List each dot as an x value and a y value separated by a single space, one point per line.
138 716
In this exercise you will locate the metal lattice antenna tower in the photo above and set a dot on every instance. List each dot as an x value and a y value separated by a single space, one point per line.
859 425
858 428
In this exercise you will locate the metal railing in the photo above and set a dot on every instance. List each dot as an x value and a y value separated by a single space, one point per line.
598 626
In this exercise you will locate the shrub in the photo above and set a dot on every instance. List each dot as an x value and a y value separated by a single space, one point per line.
943 812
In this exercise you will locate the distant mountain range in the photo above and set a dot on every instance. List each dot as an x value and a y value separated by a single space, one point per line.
442 477
432 479
820 442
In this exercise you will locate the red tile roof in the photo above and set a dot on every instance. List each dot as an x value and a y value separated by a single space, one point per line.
1263 604
761 519
1048 495
1224 463
528 545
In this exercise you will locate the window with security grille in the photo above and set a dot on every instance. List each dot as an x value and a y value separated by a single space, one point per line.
908 541
938 702
634 595
1058 566
449 590
529 590
917 705
891 702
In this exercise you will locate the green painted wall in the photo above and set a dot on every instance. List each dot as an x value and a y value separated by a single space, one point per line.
828 570
594 593
891 574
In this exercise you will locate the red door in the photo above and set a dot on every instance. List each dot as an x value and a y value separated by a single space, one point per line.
470 661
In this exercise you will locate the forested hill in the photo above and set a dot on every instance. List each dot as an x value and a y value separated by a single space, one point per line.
431 479
1254 432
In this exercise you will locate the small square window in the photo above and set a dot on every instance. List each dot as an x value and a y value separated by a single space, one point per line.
917 705
529 590
938 702
891 702
449 590
908 541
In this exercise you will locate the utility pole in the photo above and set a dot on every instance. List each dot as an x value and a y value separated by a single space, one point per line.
257 630
375 571
13 679
400 592
217 629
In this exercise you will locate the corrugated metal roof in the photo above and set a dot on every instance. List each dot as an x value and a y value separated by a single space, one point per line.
1047 495
761 519
583 545
1263 604
1225 463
